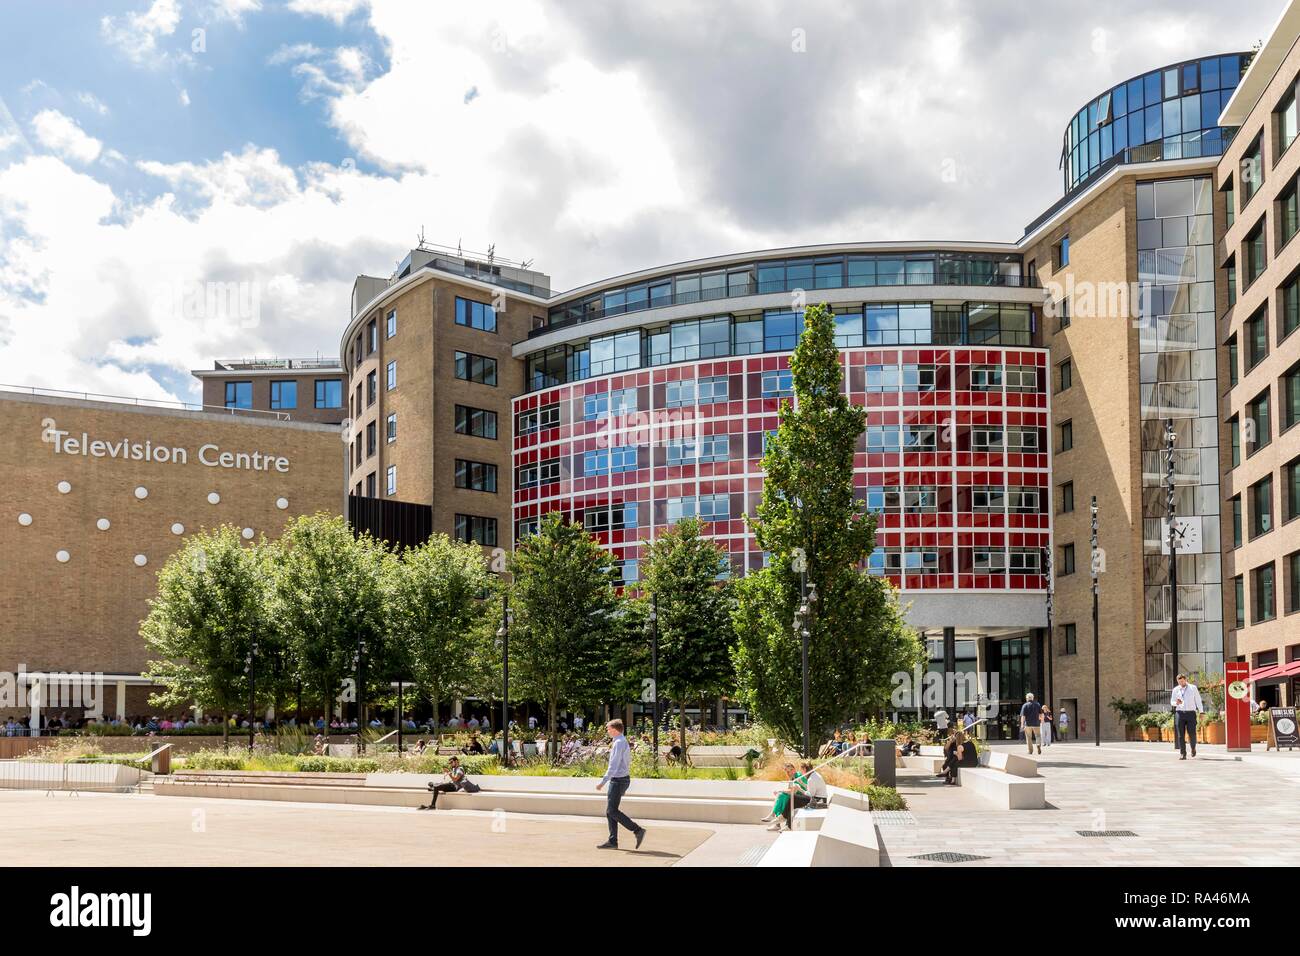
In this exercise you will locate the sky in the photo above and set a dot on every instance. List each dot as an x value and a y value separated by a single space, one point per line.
187 180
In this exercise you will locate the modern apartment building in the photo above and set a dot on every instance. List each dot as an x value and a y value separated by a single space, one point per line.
306 390
1259 382
430 380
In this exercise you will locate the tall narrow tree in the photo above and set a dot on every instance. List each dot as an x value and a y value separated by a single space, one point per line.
682 572
809 517
566 616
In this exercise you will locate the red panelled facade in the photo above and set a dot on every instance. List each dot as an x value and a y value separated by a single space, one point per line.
955 459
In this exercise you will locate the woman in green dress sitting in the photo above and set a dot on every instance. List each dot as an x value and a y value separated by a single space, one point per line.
797 780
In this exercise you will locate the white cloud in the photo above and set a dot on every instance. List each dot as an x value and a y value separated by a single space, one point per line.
60 133
336 10
136 35
92 102
235 10
184 97
254 177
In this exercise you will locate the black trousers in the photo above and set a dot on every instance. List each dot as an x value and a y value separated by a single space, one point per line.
1185 723
797 800
617 787
440 788
950 767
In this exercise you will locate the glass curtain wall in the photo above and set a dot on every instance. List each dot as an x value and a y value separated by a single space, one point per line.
1177 373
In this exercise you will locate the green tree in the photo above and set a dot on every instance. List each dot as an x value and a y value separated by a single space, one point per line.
329 595
212 603
680 572
809 517
440 615
566 616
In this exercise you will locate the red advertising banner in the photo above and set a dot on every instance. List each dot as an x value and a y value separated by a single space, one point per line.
1236 697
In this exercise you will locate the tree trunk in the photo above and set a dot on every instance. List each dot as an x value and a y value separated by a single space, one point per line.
225 731
681 730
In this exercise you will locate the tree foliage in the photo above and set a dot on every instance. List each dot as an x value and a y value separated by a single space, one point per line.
210 607
680 572
566 615
809 516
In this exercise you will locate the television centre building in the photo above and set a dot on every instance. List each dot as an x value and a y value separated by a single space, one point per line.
1008 386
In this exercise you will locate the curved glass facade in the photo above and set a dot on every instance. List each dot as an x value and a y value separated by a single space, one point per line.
1170 113
765 276
857 325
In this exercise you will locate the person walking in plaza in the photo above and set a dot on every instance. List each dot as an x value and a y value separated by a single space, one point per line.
1186 702
1062 724
941 722
618 777
1030 718
1045 725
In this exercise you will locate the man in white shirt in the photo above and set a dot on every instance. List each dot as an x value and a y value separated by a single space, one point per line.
941 721
1186 702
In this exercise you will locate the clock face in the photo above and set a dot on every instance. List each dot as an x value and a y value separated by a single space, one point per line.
1187 536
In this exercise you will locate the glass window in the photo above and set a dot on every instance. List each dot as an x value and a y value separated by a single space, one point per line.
392 375
478 422
239 395
475 315
1286 121
390 479
1256 339
329 393
1290 389
476 368
1260 498
476 475
392 323
535 419
284 395
1261 420
1263 594
778 383
475 530
1237 526
615 353
1291 306
781 330
391 428
747 336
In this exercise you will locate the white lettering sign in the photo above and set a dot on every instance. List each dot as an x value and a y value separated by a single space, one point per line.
128 449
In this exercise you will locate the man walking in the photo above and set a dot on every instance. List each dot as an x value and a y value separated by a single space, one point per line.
619 778
1186 702
1030 716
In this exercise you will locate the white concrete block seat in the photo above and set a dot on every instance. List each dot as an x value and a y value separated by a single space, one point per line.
1005 790
846 837
1016 764
705 801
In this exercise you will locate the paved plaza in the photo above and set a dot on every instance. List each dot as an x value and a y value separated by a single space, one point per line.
1216 810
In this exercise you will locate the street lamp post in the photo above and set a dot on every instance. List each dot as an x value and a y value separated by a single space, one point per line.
1170 509
358 663
654 677
1050 584
1096 633
802 622
249 661
503 634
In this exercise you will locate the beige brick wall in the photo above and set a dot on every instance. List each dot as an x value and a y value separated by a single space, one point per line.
214 394
1102 406
1279 171
85 614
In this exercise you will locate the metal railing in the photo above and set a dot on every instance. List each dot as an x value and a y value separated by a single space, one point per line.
69 777
38 391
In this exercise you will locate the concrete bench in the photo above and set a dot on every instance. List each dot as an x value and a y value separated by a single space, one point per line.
932 750
927 764
1018 765
808 819
1005 790
791 849
845 837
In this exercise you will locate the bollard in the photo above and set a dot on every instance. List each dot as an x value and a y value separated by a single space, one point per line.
884 756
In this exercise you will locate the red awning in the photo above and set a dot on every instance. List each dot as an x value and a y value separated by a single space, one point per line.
1264 673
1292 668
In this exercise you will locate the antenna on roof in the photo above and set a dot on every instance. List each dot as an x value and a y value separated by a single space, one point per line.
420 239
492 251
458 252
526 264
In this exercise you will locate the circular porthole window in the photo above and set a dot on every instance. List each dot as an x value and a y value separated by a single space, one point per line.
62 557
214 498
64 487
282 503
248 534
140 560
178 528
103 524
142 492
25 519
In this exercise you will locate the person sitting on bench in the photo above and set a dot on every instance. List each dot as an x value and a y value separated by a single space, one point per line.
907 747
456 780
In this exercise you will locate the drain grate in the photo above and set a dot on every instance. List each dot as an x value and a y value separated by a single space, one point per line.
893 818
947 857
751 856
1106 833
